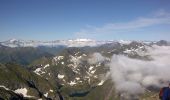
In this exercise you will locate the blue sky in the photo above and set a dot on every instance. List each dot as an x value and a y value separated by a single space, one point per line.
94 19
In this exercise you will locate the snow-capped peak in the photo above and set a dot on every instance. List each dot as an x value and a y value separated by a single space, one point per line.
81 40
124 41
12 40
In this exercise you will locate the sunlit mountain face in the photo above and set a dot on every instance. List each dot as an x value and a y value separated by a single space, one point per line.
83 69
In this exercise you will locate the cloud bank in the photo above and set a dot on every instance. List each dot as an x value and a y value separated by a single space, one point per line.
133 76
96 58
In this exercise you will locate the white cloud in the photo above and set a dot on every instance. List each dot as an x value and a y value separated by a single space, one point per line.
96 58
159 17
133 76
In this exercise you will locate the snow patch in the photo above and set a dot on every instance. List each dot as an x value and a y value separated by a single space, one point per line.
92 72
101 83
77 78
42 72
49 74
138 50
62 63
84 55
51 90
46 94
91 67
58 58
75 60
4 87
46 66
22 91
60 76
72 83
37 71
95 76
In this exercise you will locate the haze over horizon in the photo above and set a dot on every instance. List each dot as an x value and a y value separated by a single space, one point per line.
99 20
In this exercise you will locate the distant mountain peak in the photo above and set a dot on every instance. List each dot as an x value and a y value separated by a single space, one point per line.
125 41
12 40
81 40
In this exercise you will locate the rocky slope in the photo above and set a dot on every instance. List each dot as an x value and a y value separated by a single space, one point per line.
18 82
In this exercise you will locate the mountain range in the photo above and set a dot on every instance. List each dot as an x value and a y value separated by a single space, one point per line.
68 43
69 69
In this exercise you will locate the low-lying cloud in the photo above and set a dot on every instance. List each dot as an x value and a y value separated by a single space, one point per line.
96 58
133 76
